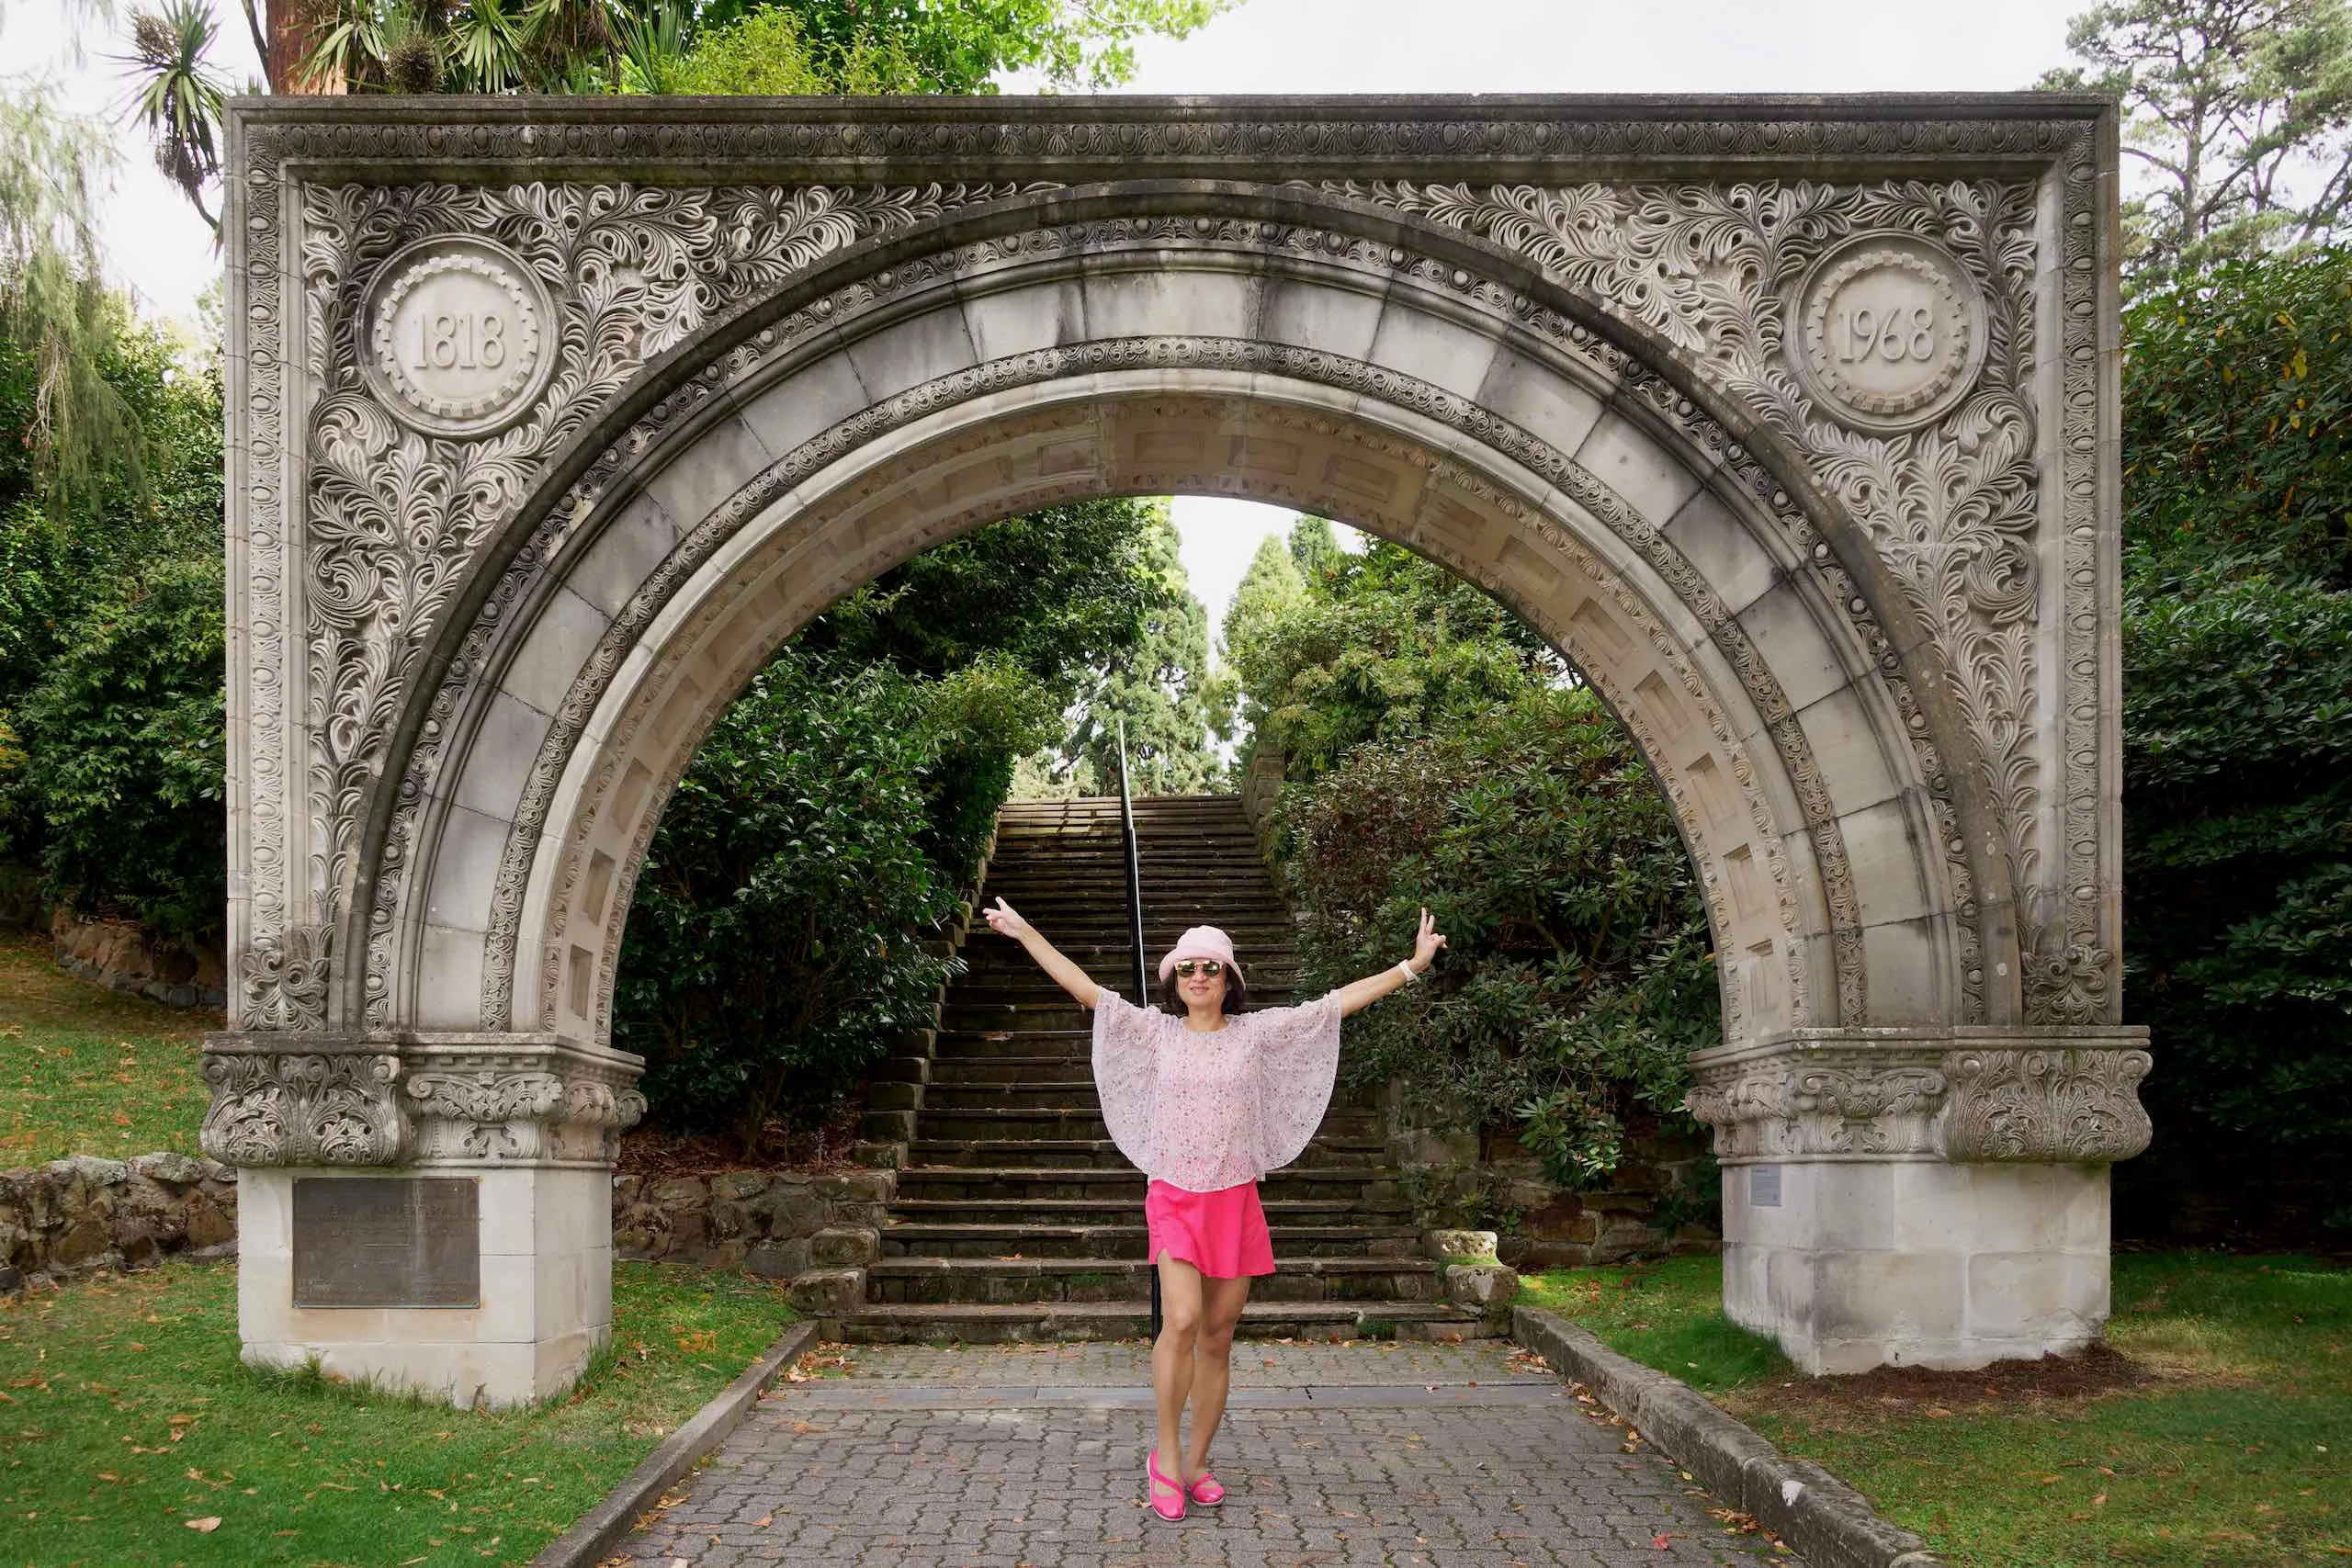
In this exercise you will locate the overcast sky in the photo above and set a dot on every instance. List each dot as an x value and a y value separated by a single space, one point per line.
163 252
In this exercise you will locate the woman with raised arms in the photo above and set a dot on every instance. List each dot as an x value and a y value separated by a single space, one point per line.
1206 1098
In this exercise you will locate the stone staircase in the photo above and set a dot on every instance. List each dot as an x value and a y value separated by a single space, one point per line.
1015 1217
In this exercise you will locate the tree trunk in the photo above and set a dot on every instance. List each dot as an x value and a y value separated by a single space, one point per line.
294 27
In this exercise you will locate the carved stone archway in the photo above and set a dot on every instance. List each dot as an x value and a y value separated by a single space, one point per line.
1790 424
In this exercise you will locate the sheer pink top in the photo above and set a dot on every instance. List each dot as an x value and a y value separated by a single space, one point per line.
1207 1111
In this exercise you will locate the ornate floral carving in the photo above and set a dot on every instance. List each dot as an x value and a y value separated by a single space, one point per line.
2024 1095
1850 1102
2061 1104
1953 507
399 1101
491 1112
286 979
396 513
304 1108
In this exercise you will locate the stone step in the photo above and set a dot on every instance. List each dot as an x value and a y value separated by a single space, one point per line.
1012 1122
971 1322
994 1018
1105 937
995 1281
918 1238
1167 883
1040 1093
1331 1184
1009 996
1330 1210
1028 1044
1102 1153
1020 1094
956 1067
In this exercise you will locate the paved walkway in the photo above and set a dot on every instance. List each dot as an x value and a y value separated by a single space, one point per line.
1031 1456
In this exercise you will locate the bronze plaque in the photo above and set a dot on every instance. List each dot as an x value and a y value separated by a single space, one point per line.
387 1241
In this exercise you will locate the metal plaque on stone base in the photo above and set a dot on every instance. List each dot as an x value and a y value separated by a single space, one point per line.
387 1241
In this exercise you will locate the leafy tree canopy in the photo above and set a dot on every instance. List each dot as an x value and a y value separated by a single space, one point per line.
2238 422
1174 706
1380 646
2237 114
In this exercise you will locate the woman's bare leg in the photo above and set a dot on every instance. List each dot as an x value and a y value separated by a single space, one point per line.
1171 1355
1221 1302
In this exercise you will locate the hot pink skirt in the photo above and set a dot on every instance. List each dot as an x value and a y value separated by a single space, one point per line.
1222 1234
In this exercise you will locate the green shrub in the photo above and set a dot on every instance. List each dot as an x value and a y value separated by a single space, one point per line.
1577 976
774 948
123 751
2237 726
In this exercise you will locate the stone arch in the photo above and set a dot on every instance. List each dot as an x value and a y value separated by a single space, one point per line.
1524 535
735 403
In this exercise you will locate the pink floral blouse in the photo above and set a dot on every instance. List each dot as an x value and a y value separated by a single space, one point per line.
1207 1111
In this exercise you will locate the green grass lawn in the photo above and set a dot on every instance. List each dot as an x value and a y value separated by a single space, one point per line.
2217 1434
125 1415
85 1072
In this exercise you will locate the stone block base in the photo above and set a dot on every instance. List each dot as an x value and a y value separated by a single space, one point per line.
1852 1264
546 1292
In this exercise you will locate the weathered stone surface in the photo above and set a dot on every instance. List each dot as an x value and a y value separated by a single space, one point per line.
779 1260
845 1247
736 1185
208 1224
827 1292
1452 1244
178 1170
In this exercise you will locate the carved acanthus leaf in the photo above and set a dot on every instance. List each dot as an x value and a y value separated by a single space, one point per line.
2059 1105
304 1108
393 1104
286 979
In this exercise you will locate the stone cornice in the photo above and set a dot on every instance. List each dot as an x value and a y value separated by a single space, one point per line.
1119 137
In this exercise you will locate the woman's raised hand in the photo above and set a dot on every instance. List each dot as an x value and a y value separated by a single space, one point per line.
1005 922
1426 943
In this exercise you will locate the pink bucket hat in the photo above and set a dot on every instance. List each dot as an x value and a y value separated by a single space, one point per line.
1201 942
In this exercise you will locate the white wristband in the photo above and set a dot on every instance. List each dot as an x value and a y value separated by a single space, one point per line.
1406 965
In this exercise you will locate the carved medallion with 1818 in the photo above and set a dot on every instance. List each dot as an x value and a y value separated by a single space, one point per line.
1890 331
458 336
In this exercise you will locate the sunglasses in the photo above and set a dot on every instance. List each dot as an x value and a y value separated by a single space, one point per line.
1188 967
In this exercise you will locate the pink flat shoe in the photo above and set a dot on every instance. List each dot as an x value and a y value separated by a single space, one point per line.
1207 1492
1153 1482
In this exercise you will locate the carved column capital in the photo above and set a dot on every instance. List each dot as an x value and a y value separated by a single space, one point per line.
2059 1096
293 1099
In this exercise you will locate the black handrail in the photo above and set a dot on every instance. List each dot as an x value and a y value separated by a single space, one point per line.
1135 873
1143 982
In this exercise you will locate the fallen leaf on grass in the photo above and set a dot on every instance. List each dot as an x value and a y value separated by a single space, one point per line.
204 1526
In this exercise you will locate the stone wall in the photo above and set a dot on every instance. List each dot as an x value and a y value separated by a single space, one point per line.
72 1218
121 956
1651 1206
75 1217
775 1223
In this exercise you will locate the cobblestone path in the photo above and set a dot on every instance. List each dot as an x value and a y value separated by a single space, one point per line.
1031 1456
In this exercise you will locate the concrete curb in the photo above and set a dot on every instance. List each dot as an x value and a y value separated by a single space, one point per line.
591 1537
1827 1522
